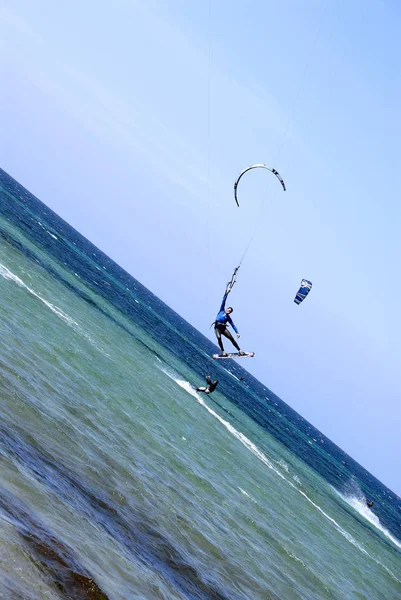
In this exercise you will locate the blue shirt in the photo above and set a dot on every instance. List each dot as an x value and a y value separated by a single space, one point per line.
222 317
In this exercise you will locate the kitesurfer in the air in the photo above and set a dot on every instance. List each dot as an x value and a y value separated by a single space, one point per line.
211 385
220 326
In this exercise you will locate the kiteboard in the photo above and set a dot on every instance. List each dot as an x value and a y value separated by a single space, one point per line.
234 355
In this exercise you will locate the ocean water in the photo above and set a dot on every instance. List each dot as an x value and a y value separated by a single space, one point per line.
119 481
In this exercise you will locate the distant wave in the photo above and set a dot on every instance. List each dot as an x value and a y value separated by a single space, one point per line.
7 274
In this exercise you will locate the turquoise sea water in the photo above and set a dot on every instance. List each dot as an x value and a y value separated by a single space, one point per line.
119 481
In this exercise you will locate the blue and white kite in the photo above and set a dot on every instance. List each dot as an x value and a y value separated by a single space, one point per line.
303 291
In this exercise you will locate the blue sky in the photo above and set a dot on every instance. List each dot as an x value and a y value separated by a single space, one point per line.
132 120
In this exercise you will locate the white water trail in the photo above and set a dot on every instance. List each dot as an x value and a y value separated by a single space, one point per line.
7 274
251 446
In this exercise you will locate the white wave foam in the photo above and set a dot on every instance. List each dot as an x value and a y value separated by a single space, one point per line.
7 274
284 466
348 536
240 436
237 434
247 495
336 525
358 503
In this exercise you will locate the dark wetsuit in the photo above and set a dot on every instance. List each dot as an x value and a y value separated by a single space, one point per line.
211 386
220 326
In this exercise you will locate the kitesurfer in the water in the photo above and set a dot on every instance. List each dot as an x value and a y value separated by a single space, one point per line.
370 504
210 387
220 326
